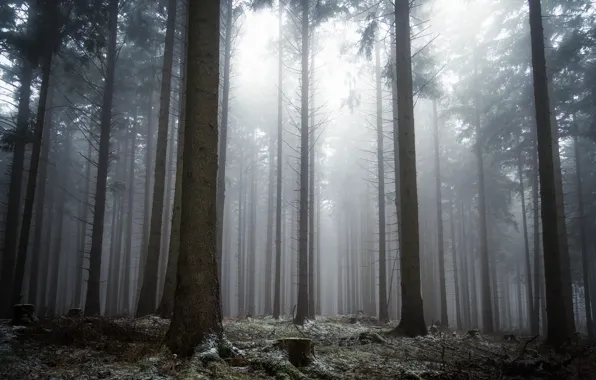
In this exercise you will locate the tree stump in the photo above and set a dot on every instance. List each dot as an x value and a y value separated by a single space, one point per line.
24 314
75 313
299 350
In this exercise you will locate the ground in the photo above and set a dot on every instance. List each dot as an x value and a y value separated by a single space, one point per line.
351 347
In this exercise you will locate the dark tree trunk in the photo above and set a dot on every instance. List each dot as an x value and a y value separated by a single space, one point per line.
147 297
302 304
557 313
223 129
197 278
533 314
269 241
383 307
311 194
456 279
41 196
412 311
278 227
126 282
583 237
84 222
440 244
31 181
167 299
92 302
13 208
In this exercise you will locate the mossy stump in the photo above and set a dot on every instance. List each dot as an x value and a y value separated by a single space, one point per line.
299 350
23 314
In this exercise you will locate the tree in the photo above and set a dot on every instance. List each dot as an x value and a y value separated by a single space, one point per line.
92 306
441 246
383 309
412 313
197 312
147 298
557 315
302 305
277 284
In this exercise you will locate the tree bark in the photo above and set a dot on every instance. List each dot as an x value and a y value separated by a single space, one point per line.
167 299
147 297
125 294
440 243
302 303
456 279
92 301
487 306
533 315
278 198
558 323
583 237
197 313
223 129
383 307
311 192
412 311
13 208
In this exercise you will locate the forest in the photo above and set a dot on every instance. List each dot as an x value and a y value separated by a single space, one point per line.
297 189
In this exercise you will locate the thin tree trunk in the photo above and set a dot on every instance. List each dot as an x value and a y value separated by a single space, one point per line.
487 306
92 301
440 244
311 193
533 314
269 241
36 257
383 307
31 182
223 138
584 237
278 227
302 304
147 297
13 208
166 306
456 280
125 298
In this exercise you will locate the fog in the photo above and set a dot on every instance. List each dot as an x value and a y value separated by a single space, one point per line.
479 183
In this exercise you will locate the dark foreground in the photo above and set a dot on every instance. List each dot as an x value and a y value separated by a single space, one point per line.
84 349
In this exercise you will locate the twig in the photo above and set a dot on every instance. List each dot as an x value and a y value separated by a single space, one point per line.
521 354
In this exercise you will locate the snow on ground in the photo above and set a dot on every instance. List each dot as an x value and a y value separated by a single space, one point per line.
345 348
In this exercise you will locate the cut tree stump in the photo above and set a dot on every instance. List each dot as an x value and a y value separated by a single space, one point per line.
24 314
75 313
300 350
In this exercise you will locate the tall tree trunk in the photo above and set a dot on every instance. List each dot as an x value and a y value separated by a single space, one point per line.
57 258
559 327
456 279
533 314
412 311
125 297
583 237
223 129
487 306
383 307
319 292
440 243
302 304
241 212
279 161
92 305
311 192
31 181
147 298
197 279
269 241
13 208
252 236
167 299
84 222
41 196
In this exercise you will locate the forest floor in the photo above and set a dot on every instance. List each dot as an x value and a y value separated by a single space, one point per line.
347 347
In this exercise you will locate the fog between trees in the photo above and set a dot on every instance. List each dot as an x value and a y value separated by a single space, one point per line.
208 160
